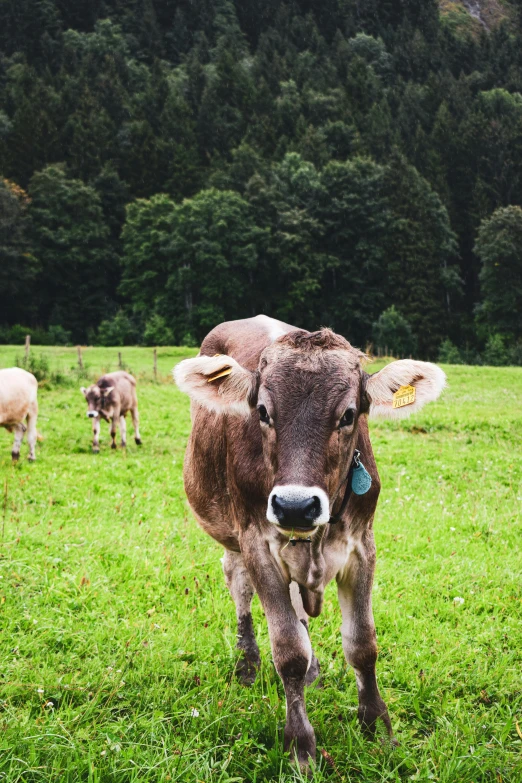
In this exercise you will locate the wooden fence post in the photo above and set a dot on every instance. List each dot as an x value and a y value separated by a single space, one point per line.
119 360
155 364
80 358
27 348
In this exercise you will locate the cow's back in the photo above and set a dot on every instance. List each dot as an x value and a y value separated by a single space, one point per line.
244 340
125 385
18 395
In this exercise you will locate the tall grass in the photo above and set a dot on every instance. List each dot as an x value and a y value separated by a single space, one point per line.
118 633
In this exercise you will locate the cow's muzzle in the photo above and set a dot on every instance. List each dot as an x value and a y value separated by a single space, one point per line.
92 414
293 506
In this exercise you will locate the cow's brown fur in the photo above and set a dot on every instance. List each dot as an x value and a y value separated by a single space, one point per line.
306 381
19 407
111 398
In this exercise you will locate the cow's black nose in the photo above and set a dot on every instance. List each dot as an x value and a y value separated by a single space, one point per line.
90 414
296 513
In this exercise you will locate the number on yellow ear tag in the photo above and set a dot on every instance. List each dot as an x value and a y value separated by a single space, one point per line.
405 395
219 374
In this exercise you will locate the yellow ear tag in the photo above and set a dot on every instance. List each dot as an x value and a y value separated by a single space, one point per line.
219 374
405 395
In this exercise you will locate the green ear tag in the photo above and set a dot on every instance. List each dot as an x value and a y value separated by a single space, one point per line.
361 480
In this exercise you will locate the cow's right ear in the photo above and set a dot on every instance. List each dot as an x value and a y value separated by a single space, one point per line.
83 391
218 383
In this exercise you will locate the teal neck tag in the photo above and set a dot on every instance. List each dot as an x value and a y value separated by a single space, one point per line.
361 480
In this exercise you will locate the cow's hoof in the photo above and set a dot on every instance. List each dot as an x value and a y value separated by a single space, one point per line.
15 457
95 451
123 445
113 446
302 749
246 670
370 714
31 459
138 441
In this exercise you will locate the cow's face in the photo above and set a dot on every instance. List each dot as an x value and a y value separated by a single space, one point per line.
308 394
99 401
310 397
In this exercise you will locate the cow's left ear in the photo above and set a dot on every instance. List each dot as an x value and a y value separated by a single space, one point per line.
105 392
219 383
83 391
402 388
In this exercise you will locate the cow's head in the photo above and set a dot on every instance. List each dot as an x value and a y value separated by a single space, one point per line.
100 401
309 393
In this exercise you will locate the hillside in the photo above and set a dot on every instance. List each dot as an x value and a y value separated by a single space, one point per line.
477 15
166 164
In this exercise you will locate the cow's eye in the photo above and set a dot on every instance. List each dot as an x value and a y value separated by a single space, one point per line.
347 418
263 414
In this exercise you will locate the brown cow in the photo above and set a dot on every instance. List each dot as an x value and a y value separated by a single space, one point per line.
279 441
19 403
111 398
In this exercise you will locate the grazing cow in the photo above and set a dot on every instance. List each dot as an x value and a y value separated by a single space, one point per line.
280 454
111 398
19 403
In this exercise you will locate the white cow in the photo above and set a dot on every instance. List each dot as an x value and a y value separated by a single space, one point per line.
19 403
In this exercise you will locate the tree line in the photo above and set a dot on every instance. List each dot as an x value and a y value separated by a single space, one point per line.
168 164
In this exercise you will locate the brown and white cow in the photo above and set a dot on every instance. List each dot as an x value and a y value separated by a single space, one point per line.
19 404
111 398
278 414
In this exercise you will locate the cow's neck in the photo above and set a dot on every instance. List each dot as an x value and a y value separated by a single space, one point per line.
304 563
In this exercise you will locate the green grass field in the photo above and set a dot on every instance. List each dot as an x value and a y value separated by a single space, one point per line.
118 635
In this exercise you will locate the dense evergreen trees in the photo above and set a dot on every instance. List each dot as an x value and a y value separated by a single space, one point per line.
165 164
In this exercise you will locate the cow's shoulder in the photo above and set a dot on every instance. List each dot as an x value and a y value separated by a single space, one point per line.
244 339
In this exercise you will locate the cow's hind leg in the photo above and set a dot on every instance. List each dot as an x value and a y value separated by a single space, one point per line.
114 427
314 669
123 431
136 424
242 591
19 430
359 640
31 433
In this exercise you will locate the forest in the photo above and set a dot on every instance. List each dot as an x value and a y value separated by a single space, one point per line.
169 164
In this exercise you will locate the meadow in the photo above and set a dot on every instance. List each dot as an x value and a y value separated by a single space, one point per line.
118 633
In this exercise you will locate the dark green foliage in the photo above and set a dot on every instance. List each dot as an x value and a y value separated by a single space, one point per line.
70 241
421 246
18 266
358 148
117 331
393 334
449 353
212 256
499 247
157 332
495 353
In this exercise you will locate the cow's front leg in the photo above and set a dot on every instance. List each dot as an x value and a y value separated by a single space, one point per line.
291 648
354 585
242 590
297 602
96 435
19 430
